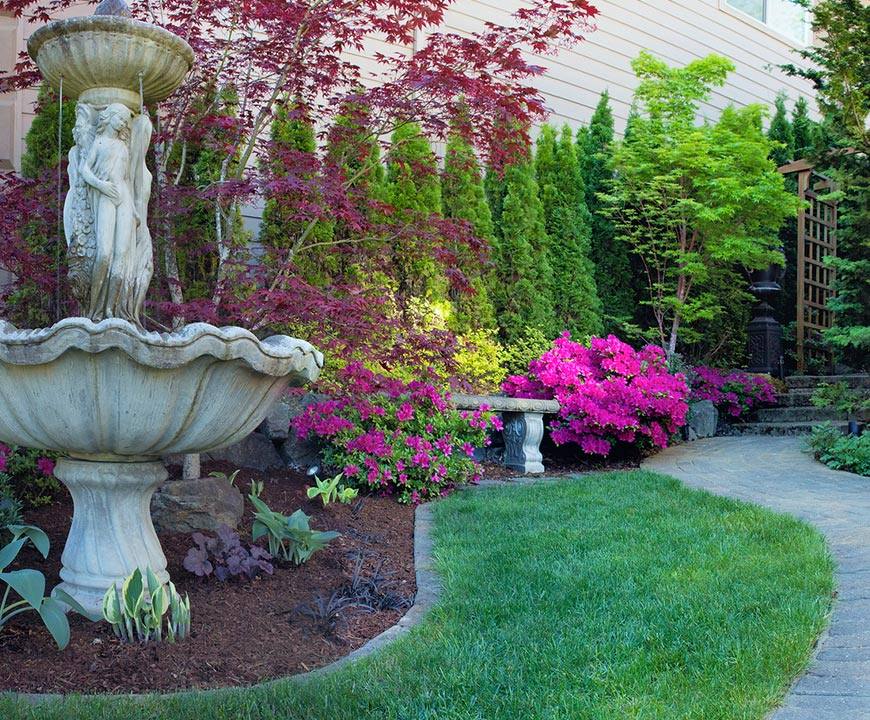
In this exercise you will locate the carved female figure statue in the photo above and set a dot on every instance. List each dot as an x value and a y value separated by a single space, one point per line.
142 266
78 218
107 171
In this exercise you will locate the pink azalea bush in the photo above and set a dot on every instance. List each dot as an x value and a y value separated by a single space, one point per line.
609 394
734 393
30 473
398 438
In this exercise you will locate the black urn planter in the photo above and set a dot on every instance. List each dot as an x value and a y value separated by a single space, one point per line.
765 332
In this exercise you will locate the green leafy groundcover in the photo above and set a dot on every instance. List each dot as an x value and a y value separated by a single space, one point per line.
618 595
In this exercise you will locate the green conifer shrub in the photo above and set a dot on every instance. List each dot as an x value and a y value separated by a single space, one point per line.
780 131
464 198
40 144
567 221
414 190
614 278
524 279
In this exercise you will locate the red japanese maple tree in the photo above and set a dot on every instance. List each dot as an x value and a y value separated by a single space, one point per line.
265 52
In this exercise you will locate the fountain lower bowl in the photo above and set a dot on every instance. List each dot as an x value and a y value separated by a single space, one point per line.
107 391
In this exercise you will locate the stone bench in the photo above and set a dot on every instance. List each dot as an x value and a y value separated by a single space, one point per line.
523 420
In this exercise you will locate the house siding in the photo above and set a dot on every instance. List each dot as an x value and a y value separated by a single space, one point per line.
677 31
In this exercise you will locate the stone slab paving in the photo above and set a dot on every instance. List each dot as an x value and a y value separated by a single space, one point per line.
775 473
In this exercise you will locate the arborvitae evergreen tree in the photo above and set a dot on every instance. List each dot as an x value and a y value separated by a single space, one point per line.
355 149
781 131
522 294
414 189
613 274
194 225
464 198
40 152
494 188
803 129
567 221
293 143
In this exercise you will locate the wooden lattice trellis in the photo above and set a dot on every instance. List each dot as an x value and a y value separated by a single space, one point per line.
816 240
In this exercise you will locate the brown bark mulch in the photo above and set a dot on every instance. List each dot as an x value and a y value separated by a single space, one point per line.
242 632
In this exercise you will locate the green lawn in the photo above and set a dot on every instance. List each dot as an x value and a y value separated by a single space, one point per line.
610 596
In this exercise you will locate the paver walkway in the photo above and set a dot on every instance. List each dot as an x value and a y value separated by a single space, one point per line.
774 472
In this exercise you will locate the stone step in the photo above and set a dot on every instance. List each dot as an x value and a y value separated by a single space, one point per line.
799 413
812 381
797 397
780 428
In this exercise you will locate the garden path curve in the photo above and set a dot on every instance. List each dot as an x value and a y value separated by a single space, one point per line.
775 473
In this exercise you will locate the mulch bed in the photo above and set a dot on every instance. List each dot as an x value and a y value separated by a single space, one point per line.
242 632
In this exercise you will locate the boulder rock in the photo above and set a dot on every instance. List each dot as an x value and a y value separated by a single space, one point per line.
203 504
276 425
256 452
703 419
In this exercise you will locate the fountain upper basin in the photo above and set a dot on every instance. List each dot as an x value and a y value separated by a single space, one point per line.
108 391
101 58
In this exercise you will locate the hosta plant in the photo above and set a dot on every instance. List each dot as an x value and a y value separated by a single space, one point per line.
289 537
136 610
225 557
29 586
609 394
332 490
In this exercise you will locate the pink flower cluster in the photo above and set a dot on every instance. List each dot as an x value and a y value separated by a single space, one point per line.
734 392
13 460
396 438
609 393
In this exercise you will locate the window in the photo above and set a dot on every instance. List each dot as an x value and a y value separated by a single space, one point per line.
783 16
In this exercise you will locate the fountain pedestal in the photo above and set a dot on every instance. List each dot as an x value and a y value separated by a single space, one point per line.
111 531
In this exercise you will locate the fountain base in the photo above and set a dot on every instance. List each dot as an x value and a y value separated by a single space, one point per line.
111 532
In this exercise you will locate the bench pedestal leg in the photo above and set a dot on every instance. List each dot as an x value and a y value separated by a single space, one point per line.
523 432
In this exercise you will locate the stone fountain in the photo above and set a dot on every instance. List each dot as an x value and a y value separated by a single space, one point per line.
109 396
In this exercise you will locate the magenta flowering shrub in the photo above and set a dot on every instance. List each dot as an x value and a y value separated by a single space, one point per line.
397 438
734 393
609 394
31 474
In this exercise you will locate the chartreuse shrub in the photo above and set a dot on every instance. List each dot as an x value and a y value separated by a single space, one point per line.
397 438
610 394
480 361
838 451
611 596
529 344
29 586
136 611
734 393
